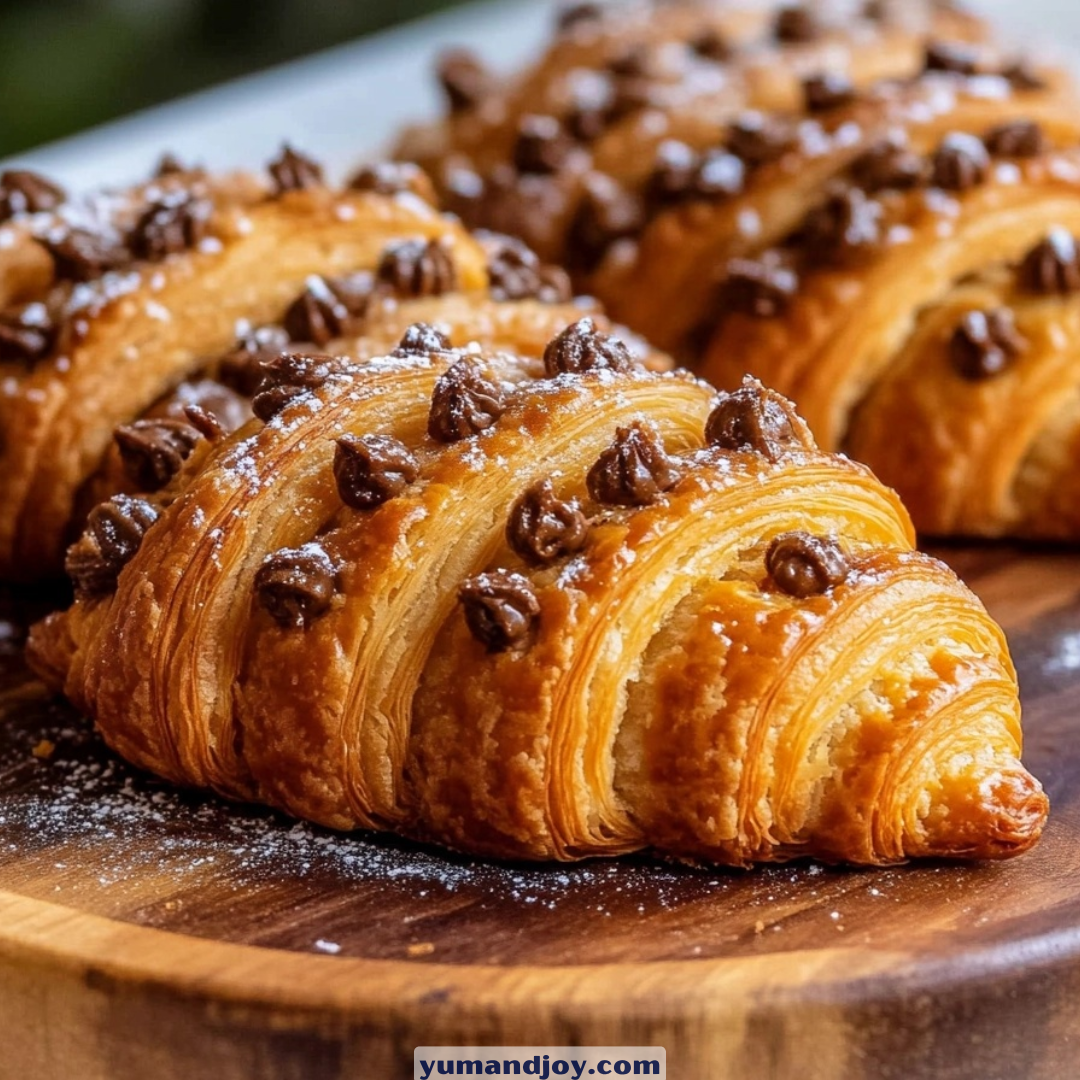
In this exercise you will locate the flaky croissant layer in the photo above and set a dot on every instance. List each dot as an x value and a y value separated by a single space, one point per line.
535 601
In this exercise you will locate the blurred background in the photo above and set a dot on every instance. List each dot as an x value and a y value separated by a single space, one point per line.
66 65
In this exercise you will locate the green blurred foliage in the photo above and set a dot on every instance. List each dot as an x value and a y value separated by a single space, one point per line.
68 64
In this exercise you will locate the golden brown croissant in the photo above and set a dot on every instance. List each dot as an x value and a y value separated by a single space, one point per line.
546 609
126 310
895 254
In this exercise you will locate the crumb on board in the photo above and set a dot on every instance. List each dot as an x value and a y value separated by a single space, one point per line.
421 948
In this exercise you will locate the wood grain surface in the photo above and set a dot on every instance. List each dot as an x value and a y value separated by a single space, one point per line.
150 932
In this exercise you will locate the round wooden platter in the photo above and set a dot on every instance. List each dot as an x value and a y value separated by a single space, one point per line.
151 933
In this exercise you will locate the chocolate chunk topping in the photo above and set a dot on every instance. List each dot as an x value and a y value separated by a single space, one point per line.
242 369
1021 75
169 165
543 145
845 229
371 469
26 192
296 585
501 610
328 308
26 335
954 56
1052 266
208 424
828 91
81 255
581 347
515 272
416 268
1016 139
294 172
464 403
755 420
422 339
154 451
543 528
394 178
985 343
607 213
888 165
114 533
960 163
681 173
572 15
288 376
464 78
634 471
169 227
760 287
795 25
710 44
759 139
803 565
592 106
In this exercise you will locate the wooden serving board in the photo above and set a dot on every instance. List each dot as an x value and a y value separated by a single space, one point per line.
151 933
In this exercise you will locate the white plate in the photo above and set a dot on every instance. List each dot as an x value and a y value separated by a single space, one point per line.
347 103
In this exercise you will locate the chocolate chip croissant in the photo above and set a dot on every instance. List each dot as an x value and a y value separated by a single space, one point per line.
132 325
889 241
546 607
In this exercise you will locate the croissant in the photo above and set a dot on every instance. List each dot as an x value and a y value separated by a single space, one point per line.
123 313
545 604
889 241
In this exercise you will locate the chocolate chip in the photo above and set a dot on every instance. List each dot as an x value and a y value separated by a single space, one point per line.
634 471
422 339
761 287
802 565
154 451
501 610
985 343
27 335
954 56
394 178
328 308
572 15
581 347
294 172
592 106
755 420
845 229
114 533
1021 75
26 192
372 469
1052 266
710 44
516 273
169 227
242 369
607 213
464 79
543 528
681 173
829 90
1016 139
464 403
759 139
168 165
960 163
795 25
206 423
888 165
81 255
228 410
289 376
296 585
542 145
417 268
